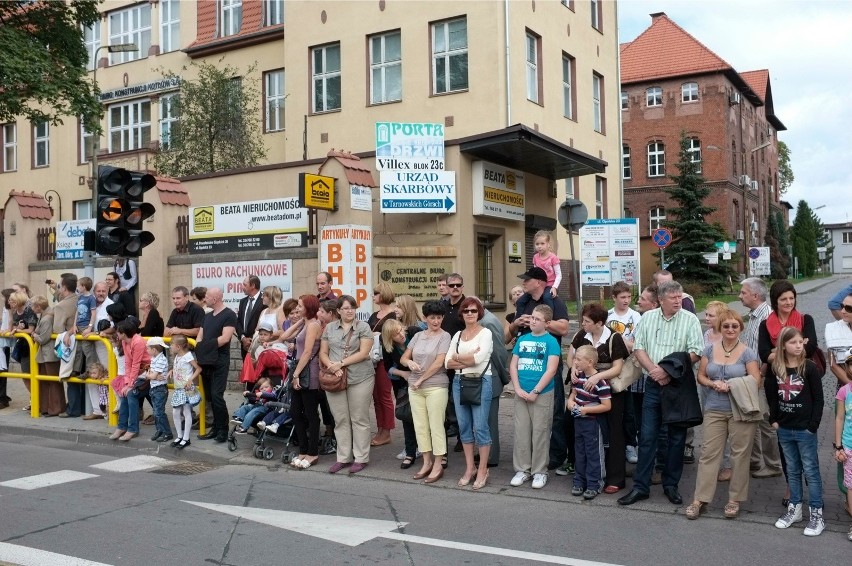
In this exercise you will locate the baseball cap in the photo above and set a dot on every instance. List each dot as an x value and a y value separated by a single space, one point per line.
157 341
265 326
534 273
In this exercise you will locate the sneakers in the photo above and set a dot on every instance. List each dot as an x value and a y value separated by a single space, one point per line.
793 515
566 469
577 491
631 454
520 478
401 455
273 428
260 425
590 494
816 524
539 481
688 454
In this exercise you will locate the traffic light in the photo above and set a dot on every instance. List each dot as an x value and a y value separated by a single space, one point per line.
121 211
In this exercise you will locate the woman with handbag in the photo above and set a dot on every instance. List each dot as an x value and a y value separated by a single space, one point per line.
611 355
23 320
428 390
395 339
137 361
721 361
51 393
383 297
348 378
470 356
305 383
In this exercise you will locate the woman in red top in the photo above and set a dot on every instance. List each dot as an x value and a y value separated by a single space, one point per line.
136 362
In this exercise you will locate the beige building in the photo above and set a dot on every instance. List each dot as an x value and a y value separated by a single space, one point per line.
525 92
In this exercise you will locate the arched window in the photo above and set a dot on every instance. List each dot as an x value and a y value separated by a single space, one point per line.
734 160
656 159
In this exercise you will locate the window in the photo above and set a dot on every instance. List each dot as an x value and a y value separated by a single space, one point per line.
169 25
694 151
625 101
326 78
689 92
129 126
273 12
41 144
656 216
230 17
10 147
656 159
87 143
449 56
485 265
600 197
533 76
627 213
625 162
386 68
847 237
168 118
131 25
597 14
82 209
567 81
654 96
597 102
273 86
92 40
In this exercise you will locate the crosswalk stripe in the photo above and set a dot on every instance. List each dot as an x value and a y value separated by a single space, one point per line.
25 556
47 480
132 464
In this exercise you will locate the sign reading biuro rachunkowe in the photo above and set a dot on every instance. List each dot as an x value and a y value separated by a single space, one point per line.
245 226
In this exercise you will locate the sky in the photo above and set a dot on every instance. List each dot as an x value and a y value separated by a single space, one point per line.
807 47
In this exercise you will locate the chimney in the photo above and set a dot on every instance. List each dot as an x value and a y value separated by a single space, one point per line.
657 15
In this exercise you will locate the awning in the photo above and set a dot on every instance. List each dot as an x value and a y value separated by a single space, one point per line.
519 147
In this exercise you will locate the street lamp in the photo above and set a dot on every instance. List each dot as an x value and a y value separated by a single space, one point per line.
89 260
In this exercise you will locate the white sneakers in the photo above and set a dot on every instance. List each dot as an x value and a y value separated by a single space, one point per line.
816 524
793 515
520 478
539 481
631 454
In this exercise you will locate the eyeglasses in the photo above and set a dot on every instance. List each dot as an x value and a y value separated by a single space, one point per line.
455 285
847 308
729 326
470 311
377 292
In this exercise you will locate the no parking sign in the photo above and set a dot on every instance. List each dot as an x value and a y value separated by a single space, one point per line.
758 262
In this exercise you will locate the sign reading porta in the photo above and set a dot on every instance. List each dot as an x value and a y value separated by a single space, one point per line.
252 225
498 191
317 191
409 146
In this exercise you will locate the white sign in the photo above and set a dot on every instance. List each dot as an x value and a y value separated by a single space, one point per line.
69 238
159 85
409 146
360 198
346 252
417 191
498 191
759 266
229 277
609 251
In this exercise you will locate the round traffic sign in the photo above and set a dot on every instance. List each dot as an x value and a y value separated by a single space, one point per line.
662 237
753 253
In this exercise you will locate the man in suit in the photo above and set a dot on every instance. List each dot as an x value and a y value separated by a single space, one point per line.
249 313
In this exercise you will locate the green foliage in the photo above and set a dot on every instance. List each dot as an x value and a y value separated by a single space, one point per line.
692 235
217 127
785 171
43 60
777 259
805 235
782 231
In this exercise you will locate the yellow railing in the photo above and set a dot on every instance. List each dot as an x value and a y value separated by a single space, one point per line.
112 371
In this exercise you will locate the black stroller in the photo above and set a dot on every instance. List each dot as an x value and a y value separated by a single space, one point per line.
281 403
277 424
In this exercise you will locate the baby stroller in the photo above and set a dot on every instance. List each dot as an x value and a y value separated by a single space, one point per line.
280 393
276 424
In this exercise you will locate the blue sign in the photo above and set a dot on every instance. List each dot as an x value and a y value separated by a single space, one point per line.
662 237
753 253
69 238
417 191
419 205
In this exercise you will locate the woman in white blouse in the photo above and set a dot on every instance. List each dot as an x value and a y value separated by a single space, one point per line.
469 356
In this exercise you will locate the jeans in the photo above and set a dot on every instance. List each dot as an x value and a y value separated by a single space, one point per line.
250 414
589 453
76 399
158 396
128 413
214 377
652 422
473 419
800 453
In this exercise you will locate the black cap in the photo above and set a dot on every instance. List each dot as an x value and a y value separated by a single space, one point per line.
534 273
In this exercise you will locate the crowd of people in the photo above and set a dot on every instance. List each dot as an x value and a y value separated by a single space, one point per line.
630 387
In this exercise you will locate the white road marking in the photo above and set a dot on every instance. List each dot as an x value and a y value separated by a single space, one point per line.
47 480
353 531
25 556
133 464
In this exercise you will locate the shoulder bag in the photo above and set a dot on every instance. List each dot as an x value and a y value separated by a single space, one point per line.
631 371
304 376
329 380
470 385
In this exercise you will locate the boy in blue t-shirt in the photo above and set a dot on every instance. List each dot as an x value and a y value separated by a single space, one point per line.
586 405
535 359
86 306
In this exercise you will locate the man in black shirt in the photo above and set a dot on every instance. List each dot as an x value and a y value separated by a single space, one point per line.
452 321
213 352
186 317
116 295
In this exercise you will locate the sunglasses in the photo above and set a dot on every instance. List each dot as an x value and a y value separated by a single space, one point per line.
847 308
377 292
728 326
455 285
470 311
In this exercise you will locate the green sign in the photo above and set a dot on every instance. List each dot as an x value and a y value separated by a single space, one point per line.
726 247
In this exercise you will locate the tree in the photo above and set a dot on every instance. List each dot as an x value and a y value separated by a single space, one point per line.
43 61
692 235
217 123
777 261
804 235
783 235
785 171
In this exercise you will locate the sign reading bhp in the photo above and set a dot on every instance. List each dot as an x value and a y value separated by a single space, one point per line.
317 191
346 252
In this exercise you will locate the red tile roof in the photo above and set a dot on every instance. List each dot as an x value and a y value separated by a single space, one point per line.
757 80
666 50
356 172
172 192
31 205
207 33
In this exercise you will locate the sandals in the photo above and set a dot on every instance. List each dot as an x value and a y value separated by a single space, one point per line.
732 510
694 510
444 462
305 463
296 462
477 485
407 462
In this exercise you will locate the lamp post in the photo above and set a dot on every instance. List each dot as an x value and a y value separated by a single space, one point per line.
49 200
89 258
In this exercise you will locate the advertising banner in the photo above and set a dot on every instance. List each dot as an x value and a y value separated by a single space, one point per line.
498 191
609 251
409 146
346 252
69 238
416 191
229 277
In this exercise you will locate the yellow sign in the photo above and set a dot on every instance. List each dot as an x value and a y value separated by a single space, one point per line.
202 219
504 197
316 191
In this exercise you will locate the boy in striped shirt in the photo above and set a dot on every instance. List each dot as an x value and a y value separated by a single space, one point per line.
586 403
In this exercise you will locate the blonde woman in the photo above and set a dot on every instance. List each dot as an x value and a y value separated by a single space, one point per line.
711 312
405 308
383 298
273 313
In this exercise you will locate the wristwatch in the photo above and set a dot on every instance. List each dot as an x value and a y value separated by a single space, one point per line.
535 391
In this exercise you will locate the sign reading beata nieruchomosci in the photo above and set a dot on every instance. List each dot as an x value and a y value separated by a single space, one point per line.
317 191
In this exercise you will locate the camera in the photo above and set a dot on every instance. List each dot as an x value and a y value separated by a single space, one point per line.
49 282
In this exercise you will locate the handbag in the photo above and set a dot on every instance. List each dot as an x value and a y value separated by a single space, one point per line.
193 397
631 371
819 361
329 380
403 406
376 350
304 376
470 386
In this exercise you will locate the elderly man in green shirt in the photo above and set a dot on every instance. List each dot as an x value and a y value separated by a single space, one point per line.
662 331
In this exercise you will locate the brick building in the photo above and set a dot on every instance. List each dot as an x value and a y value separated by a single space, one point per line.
672 83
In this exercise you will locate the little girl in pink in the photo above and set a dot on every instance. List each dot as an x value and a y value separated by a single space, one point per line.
547 260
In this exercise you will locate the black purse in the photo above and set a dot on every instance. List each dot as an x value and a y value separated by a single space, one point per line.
304 376
403 406
470 387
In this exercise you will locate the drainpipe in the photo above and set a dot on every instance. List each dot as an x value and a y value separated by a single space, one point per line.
508 74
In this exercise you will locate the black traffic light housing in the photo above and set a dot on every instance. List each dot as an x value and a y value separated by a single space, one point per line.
122 211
